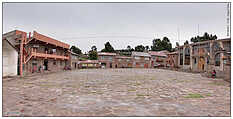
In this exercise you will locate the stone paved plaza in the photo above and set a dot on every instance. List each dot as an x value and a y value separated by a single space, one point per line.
116 92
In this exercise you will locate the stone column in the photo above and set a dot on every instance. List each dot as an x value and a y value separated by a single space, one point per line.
178 57
183 56
221 57
211 60
191 58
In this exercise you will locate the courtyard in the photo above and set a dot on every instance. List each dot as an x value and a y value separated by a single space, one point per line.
116 92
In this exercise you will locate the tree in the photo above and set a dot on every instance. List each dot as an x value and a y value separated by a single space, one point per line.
186 42
166 45
158 45
93 55
93 48
108 48
147 48
75 50
140 48
177 44
205 37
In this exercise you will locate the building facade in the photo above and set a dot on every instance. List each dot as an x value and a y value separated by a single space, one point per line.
124 62
158 58
206 56
74 60
89 64
39 53
107 60
10 58
141 60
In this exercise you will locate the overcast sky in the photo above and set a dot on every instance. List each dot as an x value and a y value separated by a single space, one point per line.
122 24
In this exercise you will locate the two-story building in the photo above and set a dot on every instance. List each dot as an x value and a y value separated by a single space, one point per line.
206 56
107 60
123 62
141 60
38 53
158 58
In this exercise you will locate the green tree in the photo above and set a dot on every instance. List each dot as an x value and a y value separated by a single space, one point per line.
139 48
108 48
94 48
177 44
186 42
75 50
205 37
93 55
147 48
158 45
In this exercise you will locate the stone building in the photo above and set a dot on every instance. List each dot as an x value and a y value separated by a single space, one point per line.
89 64
123 62
158 58
205 56
141 60
107 60
172 60
38 53
74 60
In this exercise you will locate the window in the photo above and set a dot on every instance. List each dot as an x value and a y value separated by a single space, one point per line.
137 58
54 62
61 63
141 65
217 60
110 58
208 60
147 58
195 60
54 50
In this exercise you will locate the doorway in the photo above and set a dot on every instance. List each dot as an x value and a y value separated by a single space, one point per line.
201 64
46 64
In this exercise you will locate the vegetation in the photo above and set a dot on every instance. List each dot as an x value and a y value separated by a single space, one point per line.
158 45
205 37
139 48
92 54
194 95
186 42
108 48
75 50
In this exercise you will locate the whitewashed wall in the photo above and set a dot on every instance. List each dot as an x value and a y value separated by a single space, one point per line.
10 59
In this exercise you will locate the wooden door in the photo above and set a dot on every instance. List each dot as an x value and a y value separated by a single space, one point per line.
201 64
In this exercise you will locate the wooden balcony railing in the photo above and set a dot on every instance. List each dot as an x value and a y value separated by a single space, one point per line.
45 55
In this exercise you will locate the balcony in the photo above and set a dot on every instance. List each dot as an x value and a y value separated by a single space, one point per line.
45 55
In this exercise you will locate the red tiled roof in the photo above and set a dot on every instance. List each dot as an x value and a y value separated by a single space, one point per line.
154 53
107 53
49 40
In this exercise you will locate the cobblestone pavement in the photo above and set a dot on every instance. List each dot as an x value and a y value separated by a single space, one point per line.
116 92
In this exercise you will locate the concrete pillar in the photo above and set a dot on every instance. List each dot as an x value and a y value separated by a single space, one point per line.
183 55
178 57
221 57
191 56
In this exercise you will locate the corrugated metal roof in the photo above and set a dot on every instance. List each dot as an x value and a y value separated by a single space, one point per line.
143 54
106 53
154 53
